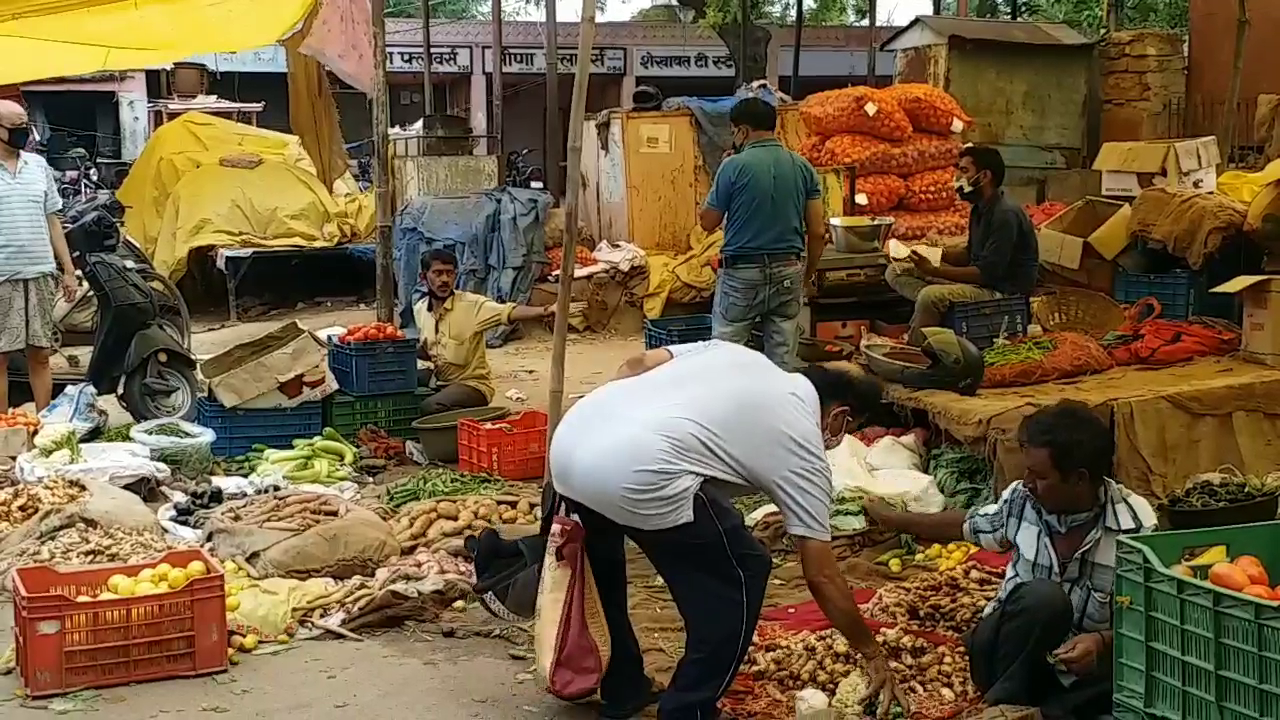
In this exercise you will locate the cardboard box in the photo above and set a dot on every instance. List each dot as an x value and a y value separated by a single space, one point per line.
1128 168
281 369
1260 338
1096 223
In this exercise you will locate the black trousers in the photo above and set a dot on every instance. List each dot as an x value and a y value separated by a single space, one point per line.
455 396
1008 656
717 573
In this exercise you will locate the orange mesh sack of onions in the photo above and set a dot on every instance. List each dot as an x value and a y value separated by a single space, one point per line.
916 154
855 110
812 149
874 194
930 190
929 109
851 149
911 225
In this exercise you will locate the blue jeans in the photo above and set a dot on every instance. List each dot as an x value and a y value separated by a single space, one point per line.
768 293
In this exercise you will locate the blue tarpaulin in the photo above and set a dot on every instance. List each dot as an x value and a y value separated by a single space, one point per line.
712 116
498 236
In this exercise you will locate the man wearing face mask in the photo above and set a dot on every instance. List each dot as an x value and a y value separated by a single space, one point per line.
32 248
1001 258
654 456
770 203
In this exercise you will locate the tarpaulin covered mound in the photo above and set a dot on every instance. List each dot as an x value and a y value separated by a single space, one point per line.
204 181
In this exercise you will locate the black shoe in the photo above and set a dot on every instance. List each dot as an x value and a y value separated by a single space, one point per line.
634 709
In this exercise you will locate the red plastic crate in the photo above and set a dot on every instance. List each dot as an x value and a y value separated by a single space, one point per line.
513 449
64 645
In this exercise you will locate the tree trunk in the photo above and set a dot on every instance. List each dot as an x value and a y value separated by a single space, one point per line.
751 62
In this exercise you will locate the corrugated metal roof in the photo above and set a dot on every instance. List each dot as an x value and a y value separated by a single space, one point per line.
1006 31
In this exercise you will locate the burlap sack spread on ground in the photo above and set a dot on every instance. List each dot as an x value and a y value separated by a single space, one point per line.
1169 423
356 544
103 504
1189 224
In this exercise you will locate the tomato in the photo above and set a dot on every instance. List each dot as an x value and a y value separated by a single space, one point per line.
359 336
1259 591
344 338
374 335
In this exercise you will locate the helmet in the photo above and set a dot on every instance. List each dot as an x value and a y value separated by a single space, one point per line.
944 361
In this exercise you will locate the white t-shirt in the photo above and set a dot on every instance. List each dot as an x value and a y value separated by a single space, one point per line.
637 450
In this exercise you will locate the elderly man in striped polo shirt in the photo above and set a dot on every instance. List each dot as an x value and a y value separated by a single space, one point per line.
32 248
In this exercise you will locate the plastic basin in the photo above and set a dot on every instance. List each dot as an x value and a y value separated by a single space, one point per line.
438 434
1255 511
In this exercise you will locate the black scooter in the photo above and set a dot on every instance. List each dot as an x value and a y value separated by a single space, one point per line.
523 174
134 357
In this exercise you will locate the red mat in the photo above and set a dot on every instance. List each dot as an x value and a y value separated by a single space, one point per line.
808 616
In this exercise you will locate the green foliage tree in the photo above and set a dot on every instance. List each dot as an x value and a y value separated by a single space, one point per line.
440 9
1084 15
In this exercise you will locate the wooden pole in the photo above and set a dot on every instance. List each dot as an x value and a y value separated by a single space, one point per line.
428 97
554 132
1237 70
385 279
577 116
795 52
496 128
744 33
871 51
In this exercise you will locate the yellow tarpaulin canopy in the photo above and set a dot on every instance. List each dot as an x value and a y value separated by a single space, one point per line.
42 39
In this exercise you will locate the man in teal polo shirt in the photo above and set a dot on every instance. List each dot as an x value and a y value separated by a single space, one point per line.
771 205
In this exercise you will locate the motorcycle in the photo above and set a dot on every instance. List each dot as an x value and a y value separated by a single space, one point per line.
523 174
133 354
77 176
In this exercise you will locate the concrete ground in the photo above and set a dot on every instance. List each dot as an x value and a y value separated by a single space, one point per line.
400 675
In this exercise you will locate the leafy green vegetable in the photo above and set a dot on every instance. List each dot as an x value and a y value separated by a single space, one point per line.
964 479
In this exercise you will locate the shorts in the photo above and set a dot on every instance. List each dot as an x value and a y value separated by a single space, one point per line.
26 313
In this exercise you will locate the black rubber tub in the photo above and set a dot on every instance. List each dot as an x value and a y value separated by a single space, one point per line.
438 434
1260 510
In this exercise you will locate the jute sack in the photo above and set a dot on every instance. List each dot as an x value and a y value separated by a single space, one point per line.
570 637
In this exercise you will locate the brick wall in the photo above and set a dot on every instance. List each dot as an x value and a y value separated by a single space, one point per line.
1144 85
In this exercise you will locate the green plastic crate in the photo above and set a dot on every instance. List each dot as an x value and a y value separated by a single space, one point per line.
1121 711
1186 650
393 412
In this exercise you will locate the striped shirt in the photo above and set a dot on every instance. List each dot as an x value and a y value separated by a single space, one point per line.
1016 521
27 198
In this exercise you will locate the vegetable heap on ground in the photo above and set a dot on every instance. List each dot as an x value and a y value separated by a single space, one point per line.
440 481
87 544
949 602
324 460
20 503
902 139
1226 487
20 418
428 522
964 478
291 513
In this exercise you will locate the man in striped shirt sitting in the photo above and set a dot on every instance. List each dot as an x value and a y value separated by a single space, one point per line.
1046 639
32 247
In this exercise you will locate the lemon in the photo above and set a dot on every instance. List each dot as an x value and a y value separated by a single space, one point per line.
163 570
933 553
233 604
232 590
84 598
959 556
145 588
177 578
950 548
163 587
231 653
146 576
108 596
283 639
114 581
230 567
126 587
895 565
250 642
919 557
196 568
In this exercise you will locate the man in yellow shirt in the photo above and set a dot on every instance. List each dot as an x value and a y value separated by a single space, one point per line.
451 326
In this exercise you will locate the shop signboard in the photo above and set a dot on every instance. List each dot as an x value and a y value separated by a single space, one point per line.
444 59
533 61
682 62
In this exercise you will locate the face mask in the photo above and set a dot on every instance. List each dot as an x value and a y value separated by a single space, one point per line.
18 137
831 441
967 191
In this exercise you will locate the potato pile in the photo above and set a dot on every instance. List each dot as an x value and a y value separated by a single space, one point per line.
949 602
20 503
290 513
425 523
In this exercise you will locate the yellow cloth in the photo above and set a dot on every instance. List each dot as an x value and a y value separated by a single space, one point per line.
178 197
453 335
313 111
678 274
42 39
1260 191
267 606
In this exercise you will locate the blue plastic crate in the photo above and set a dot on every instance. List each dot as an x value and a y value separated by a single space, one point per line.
676 330
982 322
238 430
375 368
1176 291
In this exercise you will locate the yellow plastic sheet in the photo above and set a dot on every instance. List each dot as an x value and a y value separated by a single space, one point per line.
1260 191
683 278
180 196
54 38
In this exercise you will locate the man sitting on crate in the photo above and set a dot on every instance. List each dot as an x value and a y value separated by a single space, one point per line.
1001 258
1045 641
451 326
